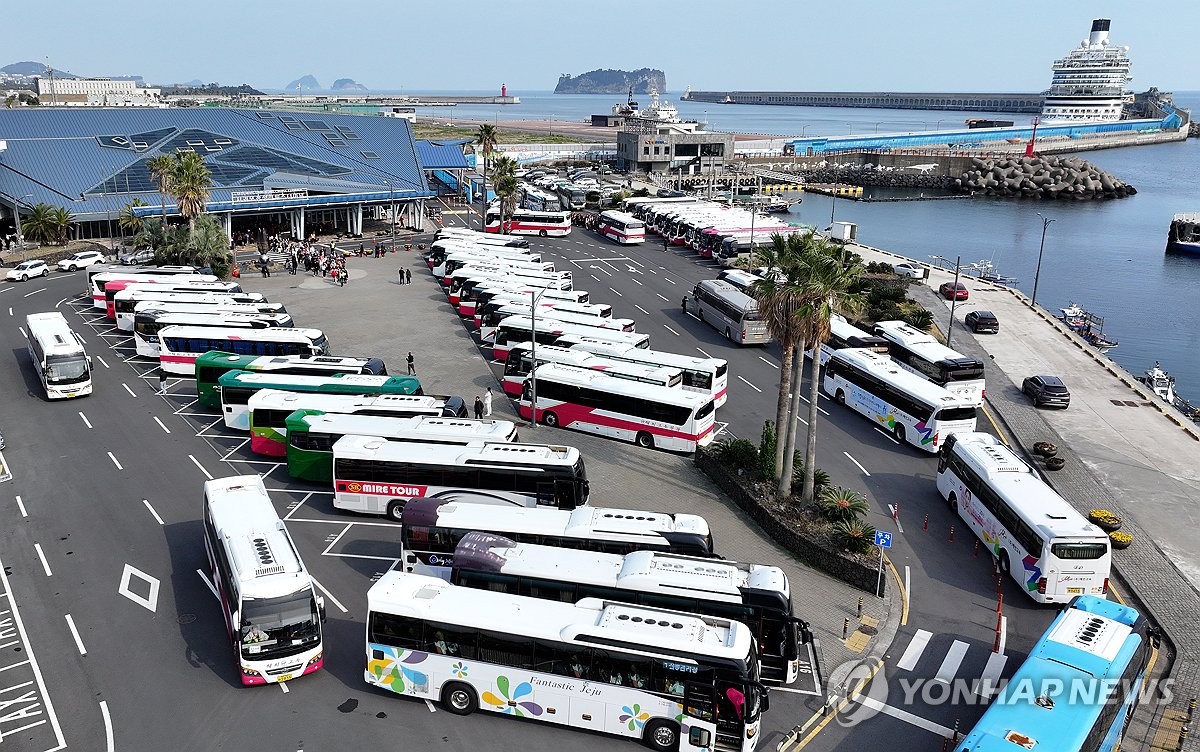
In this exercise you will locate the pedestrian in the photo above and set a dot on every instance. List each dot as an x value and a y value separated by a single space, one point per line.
401 276
685 304
408 276
162 382
412 369
487 401
478 408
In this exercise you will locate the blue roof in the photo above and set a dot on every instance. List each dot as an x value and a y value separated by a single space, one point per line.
58 155
442 155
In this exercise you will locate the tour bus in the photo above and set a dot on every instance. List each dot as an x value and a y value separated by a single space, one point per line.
274 406
271 609
488 291
843 334
466 280
555 224
481 238
1078 688
63 367
903 404
491 319
704 375
126 301
147 325
97 281
521 329
120 271
520 361
237 387
739 278
646 414
572 197
215 307
757 595
637 206
448 257
311 435
377 476
179 346
1036 536
431 529
621 227
459 259
595 665
726 309
505 299
211 366
921 353
112 288
491 245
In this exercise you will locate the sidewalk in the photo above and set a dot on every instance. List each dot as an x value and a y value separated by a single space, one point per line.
1126 451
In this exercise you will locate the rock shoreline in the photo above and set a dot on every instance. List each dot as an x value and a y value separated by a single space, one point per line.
1055 178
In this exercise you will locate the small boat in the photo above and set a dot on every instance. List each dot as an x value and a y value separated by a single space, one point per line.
1184 235
987 271
1160 382
1099 341
1074 316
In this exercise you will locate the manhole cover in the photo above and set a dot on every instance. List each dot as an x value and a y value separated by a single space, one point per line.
187 618
868 630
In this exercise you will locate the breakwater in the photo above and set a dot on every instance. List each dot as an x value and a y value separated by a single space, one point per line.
887 100
1043 177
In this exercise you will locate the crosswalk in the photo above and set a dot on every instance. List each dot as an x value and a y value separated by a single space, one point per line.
919 659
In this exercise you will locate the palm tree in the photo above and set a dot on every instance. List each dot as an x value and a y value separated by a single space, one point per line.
39 224
506 185
486 140
190 181
150 235
207 246
62 220
835 272
160 168
130 221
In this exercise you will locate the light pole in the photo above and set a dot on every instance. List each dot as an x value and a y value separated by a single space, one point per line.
953 299
877 126
391 214
1037 274
17 219
939 125
533 299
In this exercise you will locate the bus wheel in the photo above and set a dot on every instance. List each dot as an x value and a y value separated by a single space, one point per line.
645 440
728 334
395 509
899 432
541 233
700 313
459 698
1003 563
662 736
840 397
550 419
953 501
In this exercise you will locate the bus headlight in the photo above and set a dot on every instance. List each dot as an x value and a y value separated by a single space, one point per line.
750 732
250 672
315 659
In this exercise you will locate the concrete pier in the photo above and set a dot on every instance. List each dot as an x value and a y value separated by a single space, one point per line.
888 100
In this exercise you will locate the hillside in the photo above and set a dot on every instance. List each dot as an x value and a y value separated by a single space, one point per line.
347 84
30 68
304 83
610 81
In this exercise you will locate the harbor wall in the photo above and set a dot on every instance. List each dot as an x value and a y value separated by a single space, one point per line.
960 101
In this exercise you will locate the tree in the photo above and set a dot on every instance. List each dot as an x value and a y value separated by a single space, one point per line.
486 140
39 224
10 100
190 182
161 168
149 235
506 185
62 220
206 245
130 221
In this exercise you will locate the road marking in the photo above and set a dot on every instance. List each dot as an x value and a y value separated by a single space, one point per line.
56 305
208 582
75 634
131 394
637 281
1003 632
891 508
156 517
747 383
619 295
197 464
989 680
114 459
102 362
32 661
664 297
429 704
337 538
21 506
705 354
284 687
768 362
329 595
35 292
643 310
859 464
887 435
951 662
149 601
819 408
45 564
86 422
913 652
160 424
653 272
669 280
907 593
593 276
10 310
22 330
672 331
109 743
904 715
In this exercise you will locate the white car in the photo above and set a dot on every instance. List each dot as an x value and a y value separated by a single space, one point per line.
910 269
28 269
80 260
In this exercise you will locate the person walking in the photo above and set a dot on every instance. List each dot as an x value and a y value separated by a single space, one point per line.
162 382
478 408
401 276
412 368
408 276
487 401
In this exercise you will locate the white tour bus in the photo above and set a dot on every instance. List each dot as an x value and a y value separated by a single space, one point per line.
488 291
483 260
445 248
519 363
273 406
905 405
921 353
97 281
1036 536
678 682
646 414
220 306
272 613
704 375
465 281
377 476
730 311
431 529
555 224
756 595
63 367
549 331
492 318
148 323
503 299
482 238
179 346
119 271
237 401
621 227
843 334
111 289
125 302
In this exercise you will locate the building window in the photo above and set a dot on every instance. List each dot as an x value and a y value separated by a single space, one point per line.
646 150
657 150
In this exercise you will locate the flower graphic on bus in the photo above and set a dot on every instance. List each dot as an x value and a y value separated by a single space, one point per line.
634 718
682 720
925 431
512 704
459 669
389 667
1035 572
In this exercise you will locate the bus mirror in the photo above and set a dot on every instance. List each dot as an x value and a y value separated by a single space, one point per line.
321 608
699 737
89 361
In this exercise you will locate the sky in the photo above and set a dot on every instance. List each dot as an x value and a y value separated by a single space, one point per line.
881 45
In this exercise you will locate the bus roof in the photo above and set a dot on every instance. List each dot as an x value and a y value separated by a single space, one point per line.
547 324
586 623
619 216
276 332
921 343
214 317
584 359
53 333
1037 503
479 454
251 362
915 386
657 357
279 399
644 571
334 382
594 379
263 558
387 427
729 292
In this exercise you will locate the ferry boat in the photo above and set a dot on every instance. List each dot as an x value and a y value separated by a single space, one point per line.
1090 82
1184 234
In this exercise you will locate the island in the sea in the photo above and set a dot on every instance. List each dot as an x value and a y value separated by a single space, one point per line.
608 81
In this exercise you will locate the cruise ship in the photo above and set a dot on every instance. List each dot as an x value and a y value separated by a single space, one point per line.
1089 83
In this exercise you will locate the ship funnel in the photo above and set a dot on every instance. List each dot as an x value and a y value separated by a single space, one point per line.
1099 35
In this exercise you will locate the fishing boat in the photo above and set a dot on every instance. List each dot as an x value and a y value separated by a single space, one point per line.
1087 325
1160 382
987 271
1184 235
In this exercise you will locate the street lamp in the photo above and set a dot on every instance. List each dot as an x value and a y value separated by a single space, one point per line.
17 218
533 299
953 299
1045 224
391 214
877 126
939 125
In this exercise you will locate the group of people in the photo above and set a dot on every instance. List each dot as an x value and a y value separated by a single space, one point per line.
483 405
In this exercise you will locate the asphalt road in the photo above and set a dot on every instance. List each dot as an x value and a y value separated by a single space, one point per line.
100 524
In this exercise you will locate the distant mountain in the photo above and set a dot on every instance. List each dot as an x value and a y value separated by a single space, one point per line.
30 68
609 81
193 82
304 83
347 84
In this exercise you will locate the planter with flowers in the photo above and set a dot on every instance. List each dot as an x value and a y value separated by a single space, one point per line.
1120 540
1045 449
1105 520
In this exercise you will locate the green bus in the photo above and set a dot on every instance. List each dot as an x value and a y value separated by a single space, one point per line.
236 388
211 365
311 435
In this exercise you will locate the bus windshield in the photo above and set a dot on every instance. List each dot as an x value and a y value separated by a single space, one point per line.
278 627
1078 551
66 369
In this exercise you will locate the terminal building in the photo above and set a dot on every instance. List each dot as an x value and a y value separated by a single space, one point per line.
96 92
285 171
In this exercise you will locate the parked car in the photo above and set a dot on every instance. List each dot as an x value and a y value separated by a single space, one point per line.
910 269
138 257
954 291
983 322
81 260
1047 391
668 193
28 269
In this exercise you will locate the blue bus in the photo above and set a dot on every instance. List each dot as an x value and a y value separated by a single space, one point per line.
1077 690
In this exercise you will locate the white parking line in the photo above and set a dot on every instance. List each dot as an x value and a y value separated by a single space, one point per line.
114 459
45 564
619 295
32 659
664 297
75 634
672 331
160 424
637 281
109 743
86 422
643 310
102 361
56 305
857 463
21 506
888 435
904 715
593 276
669 280
196 462
131 394
329 595
284 687
21 329
705 354
747 383
768 362
809 402
156 517
208 582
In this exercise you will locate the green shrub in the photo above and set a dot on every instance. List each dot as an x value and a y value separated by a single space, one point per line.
854 535
918 318
839 504
881 294
879 267
887 312
766 451
740 454
820 477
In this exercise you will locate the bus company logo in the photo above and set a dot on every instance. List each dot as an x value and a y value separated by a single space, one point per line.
381 489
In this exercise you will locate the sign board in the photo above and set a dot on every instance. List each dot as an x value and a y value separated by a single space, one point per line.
251 196
882 539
